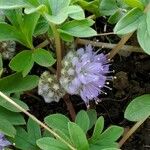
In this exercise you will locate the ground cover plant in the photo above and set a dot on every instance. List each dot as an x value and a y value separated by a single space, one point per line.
74 74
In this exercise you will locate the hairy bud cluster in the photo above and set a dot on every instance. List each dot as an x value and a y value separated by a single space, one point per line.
49 88
7 49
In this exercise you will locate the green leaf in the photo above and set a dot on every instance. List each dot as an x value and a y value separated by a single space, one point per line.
34 132
22 141
57 19
78 137
41 27
7 128
41 9
111 134
82 120
116 16
76 12
14 118
108 7
58 121
58 10
77 29
57 5
135 3
111 149
29 25
22 62
99 126
43 57
101 146
143 33
48 143
10 107
66 37
139 108
129 22
8 32
92 117
16 83
11 4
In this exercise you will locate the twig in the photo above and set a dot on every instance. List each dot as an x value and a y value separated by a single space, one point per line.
70 107
103 34
130 132
121 43
43 44
36 120
109 45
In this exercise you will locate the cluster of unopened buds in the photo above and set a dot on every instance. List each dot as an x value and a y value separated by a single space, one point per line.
84 73
7 49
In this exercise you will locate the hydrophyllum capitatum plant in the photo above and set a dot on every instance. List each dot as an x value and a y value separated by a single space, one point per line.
3 142
84 73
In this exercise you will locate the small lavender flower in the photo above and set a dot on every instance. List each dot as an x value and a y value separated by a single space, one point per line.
84 73
3 142
49 88
7 49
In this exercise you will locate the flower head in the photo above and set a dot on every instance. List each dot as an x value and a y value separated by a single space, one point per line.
3 142
84 73
49 88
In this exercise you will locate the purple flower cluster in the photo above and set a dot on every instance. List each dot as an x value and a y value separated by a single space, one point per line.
3 142
84 73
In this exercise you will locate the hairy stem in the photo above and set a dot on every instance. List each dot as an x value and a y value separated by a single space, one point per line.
36 120
121 43
130 132
109 45
58 49
70 107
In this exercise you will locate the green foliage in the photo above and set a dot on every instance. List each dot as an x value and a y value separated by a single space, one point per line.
129 22
143 33
48 143
139 108
27 139
43 57
135 3
16 83
78 28
82 119
7 128
77 136
75 133
9 4
13 117
24 61
58 121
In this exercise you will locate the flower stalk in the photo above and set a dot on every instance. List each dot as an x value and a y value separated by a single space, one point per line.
58 49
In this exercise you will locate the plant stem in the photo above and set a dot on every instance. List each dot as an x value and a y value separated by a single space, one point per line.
70 107
109 45
58 49
121 43
36 120
130 132
43 44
